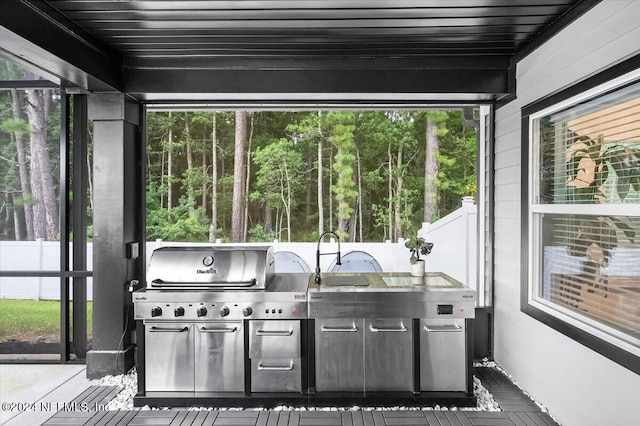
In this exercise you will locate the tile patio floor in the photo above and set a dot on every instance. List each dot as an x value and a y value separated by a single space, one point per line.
56 404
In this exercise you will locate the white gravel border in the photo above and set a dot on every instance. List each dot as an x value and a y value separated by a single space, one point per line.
129 384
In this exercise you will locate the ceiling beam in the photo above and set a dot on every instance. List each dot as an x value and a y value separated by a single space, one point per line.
438 80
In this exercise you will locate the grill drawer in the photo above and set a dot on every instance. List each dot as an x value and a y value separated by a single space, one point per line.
274 339
274 350
276 375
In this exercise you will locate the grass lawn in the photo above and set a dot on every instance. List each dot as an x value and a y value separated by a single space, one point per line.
32 321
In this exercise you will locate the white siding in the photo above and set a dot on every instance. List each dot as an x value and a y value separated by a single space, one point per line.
579 386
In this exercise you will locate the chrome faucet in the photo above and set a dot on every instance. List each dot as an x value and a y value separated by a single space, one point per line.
318 254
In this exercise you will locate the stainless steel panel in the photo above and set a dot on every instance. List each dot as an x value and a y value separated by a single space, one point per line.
284 298
236 309
388 354
443 364
274 339
276 375
219 356
334 302
339 354
169 357
205 267
274 349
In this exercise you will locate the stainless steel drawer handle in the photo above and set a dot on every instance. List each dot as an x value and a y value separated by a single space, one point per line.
274 332
351 329
263 367
400 329
168 329
442 328
219 330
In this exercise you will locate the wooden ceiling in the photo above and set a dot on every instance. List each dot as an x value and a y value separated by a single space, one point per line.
169 46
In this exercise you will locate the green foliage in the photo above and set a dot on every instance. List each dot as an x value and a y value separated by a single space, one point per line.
457 163
177 225
279 174
12 125
257 234
279 177
344 189
418 246
12 212
286 143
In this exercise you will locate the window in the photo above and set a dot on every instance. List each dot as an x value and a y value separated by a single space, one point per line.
45 268
583 242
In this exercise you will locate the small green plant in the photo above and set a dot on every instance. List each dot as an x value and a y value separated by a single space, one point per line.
418 246
257 234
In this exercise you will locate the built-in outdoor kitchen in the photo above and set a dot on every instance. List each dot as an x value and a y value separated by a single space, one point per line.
216 326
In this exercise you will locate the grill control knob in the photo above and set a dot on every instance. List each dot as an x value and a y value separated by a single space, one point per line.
179 311
156 312
247 311
224 311
201 311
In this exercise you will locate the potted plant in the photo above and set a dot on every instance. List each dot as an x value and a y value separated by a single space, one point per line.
418 246
589 162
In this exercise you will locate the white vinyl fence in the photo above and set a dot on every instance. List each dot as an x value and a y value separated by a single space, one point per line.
454 253
455 250
35 256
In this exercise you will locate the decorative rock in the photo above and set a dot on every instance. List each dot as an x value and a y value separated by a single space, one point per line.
129 384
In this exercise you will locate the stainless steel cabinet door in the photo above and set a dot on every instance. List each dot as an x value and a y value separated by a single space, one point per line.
169 357
388 355
442 355
219 356
274 339
274 349
339 354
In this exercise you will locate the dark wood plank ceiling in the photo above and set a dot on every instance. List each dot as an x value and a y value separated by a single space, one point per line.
172 37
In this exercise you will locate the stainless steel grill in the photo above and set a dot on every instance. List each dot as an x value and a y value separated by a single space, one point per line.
208 268
196 310
218 326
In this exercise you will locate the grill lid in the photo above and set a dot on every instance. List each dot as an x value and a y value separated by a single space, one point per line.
228 267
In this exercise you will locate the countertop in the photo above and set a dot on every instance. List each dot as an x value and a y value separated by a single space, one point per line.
384 282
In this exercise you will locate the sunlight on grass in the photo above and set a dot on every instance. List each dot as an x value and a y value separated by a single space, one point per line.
31 320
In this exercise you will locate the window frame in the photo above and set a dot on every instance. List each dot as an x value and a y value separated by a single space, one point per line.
578 327
72 271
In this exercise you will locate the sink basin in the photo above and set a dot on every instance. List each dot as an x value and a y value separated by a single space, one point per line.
345 280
